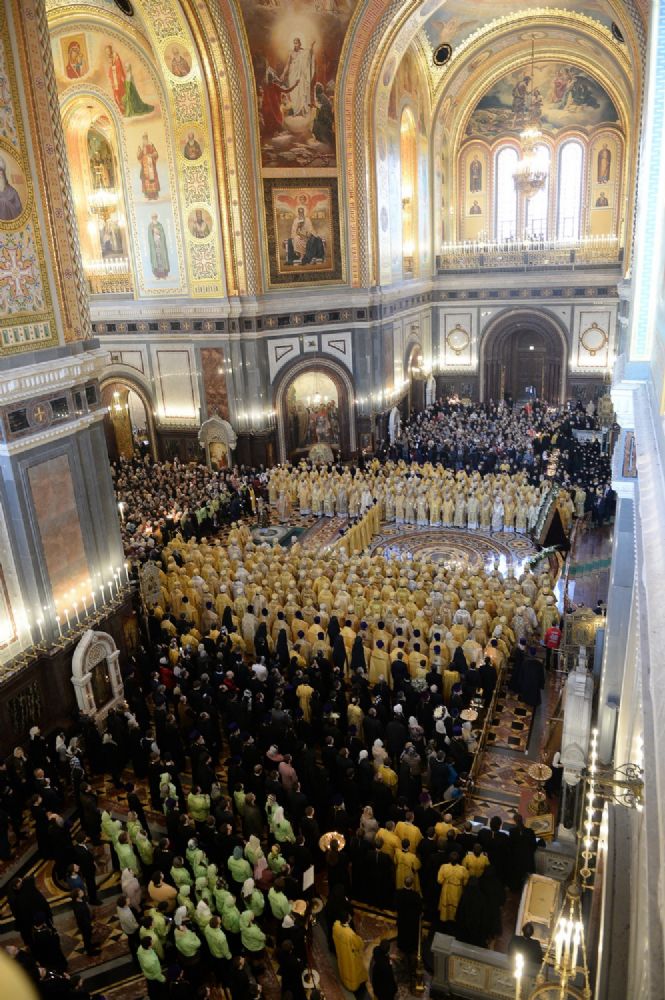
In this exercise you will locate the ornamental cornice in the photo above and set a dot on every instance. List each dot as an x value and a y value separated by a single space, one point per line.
21 384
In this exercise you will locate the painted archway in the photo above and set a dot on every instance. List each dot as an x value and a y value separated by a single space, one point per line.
343 383
523 354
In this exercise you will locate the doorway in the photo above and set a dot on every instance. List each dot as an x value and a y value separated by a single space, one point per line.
522 361
128 424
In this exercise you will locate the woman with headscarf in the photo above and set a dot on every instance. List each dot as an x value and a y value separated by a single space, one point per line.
261 642
281 828
252 897
379 754
239 867
339 656
227 620
368 824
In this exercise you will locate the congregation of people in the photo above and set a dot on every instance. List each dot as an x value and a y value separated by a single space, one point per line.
279 694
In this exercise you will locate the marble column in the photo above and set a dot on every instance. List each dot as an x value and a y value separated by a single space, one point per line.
60 536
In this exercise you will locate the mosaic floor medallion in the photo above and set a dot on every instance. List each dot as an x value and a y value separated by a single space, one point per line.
453 547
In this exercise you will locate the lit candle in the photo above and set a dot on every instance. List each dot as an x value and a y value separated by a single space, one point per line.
85 606
558 945
127 572
94 600
76 612
110 586
58 624
67 617
40 622
519 969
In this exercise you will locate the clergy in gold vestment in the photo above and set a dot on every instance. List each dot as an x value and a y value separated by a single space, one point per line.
406 864
349 948
452 878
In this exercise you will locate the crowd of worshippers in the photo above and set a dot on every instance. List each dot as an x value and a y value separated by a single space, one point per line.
278 755
157 500
490 437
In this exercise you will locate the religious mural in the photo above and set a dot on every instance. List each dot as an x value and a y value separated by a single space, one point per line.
564 96
131 118
303 230
455 20
295 46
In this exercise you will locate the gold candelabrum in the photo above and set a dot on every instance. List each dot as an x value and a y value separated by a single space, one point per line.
565 955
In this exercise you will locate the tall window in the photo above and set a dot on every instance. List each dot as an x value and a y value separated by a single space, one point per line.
536 207
569 207
506 196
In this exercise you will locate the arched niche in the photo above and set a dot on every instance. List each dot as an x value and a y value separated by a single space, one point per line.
219 440
341 380
508 364
134 401
96 674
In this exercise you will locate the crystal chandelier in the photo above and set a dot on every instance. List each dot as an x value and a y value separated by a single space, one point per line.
530 173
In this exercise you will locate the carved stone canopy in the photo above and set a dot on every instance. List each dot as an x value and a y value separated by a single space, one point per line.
215 430
96 674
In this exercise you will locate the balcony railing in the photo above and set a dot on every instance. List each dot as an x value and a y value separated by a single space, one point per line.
530 255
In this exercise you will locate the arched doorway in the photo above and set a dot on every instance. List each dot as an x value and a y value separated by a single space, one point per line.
314 401
128 425
523 356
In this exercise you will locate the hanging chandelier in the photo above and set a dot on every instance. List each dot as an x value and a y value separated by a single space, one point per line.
530 173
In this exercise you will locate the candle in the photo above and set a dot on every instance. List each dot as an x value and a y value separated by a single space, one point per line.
94 600
85 606
40 622
110 586
67 617
58 624
127 572
76 612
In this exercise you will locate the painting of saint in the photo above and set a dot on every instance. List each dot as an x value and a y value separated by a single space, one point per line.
192 148
100 158
10 200
601 200
77 64
200 223
159 255
475 209
147 156
116 75
271 97
297 76
179 65
110 239
133 105
604 165
304 246
475 175
322 126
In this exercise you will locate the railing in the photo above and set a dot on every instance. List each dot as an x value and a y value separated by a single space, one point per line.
523 255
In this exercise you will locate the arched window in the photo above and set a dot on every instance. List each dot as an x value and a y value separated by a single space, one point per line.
536 213
569 202
505 200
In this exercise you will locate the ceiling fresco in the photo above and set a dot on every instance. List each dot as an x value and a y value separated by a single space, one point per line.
455 20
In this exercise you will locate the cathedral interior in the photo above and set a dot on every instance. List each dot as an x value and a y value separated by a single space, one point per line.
281 246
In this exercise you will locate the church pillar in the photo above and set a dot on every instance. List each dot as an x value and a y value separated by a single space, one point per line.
60 539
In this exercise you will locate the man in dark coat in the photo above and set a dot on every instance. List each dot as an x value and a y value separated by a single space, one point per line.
523 844
533 679
527 945
409 906
382 976
380 877
85 859
83 917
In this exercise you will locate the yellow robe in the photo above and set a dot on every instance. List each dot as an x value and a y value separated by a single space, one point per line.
350 950
406 864
476 865
452 879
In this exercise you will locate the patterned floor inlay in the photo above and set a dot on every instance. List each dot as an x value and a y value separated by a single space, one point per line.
499 772
510 726
455 547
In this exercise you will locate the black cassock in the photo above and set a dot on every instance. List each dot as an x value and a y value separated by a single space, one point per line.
409 906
